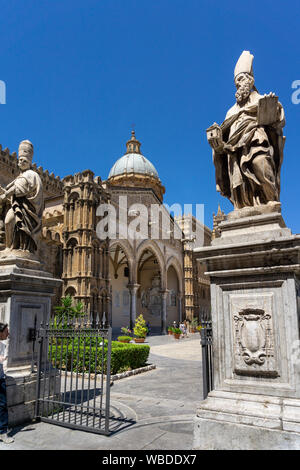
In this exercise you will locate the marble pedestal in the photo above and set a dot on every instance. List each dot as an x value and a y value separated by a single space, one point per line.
25 301
254 269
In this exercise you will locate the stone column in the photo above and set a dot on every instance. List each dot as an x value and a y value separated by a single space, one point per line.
164 296
133 288
180 306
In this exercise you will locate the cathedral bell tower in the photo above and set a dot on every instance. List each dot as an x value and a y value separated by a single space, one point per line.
85 257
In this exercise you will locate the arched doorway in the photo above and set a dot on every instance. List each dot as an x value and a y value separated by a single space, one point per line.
119 269
149 295
174 299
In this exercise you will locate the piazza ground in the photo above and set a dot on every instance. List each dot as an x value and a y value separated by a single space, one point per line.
162 403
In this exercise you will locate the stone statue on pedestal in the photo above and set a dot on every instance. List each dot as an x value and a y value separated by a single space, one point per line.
248 146
26 288
22 203
254 270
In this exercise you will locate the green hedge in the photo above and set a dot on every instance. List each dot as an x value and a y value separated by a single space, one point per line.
123 356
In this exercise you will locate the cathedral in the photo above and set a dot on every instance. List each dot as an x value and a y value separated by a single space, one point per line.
124 276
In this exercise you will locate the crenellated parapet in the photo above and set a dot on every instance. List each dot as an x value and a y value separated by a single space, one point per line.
52 184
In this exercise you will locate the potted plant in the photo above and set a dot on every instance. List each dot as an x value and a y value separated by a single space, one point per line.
124 339
177 333
199 327
126 331
194 324
170 330
140 329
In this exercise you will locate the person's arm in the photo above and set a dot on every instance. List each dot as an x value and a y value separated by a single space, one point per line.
3 357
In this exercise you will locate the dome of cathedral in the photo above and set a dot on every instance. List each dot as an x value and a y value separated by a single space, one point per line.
133 161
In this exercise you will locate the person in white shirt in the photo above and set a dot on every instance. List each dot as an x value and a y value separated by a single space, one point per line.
4 333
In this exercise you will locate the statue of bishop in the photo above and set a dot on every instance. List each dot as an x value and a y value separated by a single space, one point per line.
248 146
23 201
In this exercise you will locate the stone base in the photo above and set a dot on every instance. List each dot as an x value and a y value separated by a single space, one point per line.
272 206
21 395
25 303
263 227
240 421
218 435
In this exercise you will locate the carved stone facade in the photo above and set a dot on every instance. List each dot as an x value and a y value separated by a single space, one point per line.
85 257
196 282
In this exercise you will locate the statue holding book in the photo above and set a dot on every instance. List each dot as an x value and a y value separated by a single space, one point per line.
248 146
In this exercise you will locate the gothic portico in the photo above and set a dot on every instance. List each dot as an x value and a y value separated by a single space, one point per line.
146 273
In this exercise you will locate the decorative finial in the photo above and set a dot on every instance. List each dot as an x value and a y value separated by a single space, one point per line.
133 145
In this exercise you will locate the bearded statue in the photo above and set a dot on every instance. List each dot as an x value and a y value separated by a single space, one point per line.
248 146
22 204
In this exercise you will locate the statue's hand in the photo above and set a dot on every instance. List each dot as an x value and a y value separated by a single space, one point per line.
214 137
2 198
216 145
229 148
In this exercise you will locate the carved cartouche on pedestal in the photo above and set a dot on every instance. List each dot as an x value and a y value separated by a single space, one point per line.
254 344
248 146
22 206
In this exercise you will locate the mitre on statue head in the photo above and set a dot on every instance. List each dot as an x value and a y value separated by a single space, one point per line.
26 145
244 64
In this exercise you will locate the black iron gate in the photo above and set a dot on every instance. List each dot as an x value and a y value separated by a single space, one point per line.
73 369
207 357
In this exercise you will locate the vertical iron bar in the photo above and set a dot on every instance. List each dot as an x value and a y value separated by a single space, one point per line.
54 381
82 381
204 362
102 374
71 379
38 382
77 368
107 407
95 379
46 353
50 337
66 371
89 380
60 337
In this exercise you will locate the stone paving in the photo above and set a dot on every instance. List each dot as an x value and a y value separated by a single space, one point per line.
162 402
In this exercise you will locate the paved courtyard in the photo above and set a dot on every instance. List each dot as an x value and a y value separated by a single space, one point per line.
162 402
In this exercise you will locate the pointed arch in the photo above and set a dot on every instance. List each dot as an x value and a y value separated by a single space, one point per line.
150 245
124 246
172 261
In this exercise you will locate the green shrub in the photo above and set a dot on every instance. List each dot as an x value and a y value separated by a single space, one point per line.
177 331
123 356
124 338
131 356
140 329
194 323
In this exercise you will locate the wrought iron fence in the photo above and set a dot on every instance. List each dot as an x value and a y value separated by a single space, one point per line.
73 369
207 357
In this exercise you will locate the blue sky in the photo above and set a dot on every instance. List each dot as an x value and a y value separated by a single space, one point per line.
79 73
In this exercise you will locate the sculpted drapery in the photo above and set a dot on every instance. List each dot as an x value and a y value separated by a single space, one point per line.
24 195
247 153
